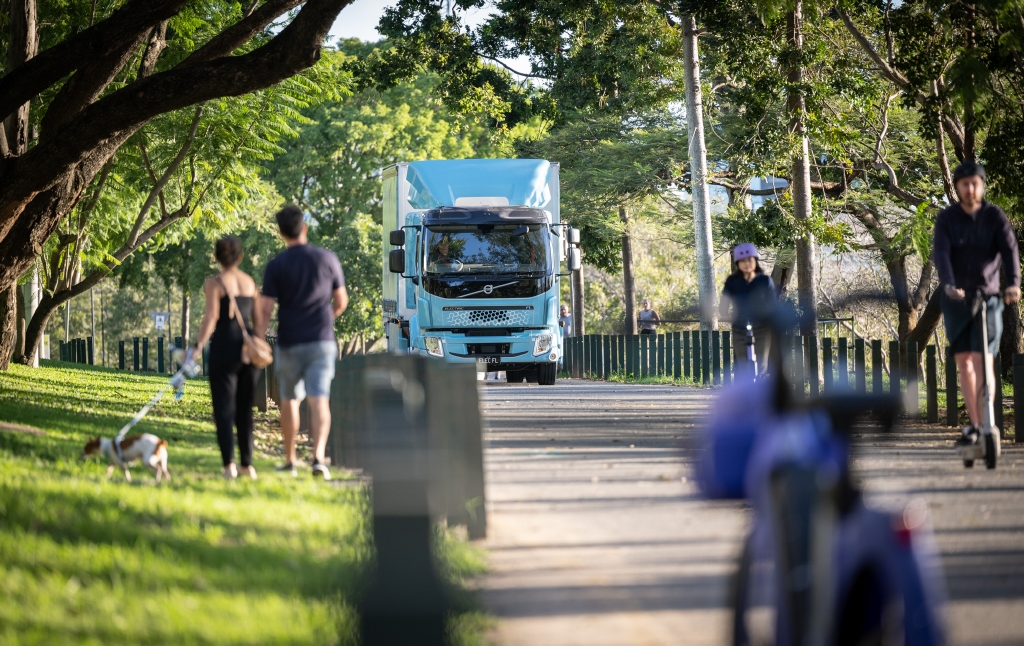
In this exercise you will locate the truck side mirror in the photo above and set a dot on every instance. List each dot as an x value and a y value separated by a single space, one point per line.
396 260
397 238
574 258
573 236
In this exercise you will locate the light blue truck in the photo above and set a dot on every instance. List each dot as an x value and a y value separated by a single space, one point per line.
472 258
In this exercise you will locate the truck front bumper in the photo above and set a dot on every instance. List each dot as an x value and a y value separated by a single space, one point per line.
497 352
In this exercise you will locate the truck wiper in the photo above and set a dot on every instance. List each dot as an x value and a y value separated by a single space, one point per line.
484 291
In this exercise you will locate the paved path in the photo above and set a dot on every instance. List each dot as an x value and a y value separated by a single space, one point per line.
597 535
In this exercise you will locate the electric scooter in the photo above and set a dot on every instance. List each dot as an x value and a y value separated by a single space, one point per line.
751 356
988 444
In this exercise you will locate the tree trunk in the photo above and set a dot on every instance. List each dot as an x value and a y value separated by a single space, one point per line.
578 325
628 282
1011 343
8 314
186 314
782 271
23 44
33 304
801 184
703 249
19 324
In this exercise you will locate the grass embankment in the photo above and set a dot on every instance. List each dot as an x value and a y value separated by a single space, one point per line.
201 560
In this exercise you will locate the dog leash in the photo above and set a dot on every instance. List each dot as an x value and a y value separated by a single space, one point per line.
177 382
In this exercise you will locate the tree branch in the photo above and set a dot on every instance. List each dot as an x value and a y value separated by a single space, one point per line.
49 67
227 41
154 47
499 62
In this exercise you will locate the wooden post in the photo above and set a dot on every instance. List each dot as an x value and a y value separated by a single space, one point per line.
843 364
997 401
826 362
726 358
645 355
607 340
716 357
622 352
630 366
812 364
677 368
876 367
661 355
135 354
145 354
90 350
931 384
858 365
894 368
687 363
913 390
695 348
798 364
952 393
636 356
120 354
1018 398
160 354
705 357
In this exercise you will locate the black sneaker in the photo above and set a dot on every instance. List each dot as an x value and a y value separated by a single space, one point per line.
321 471
288 466
969 437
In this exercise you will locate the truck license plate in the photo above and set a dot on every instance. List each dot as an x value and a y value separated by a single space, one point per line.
488 359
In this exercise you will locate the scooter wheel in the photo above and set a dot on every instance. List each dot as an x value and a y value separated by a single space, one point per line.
968 464
990 451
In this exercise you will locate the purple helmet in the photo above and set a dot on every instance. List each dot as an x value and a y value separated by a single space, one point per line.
745 250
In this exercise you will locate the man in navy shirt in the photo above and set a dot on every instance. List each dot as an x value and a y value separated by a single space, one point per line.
973 241
308 286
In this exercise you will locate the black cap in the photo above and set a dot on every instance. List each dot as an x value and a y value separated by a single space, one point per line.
969 169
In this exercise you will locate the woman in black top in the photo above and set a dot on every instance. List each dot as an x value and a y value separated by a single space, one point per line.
232 382
749 294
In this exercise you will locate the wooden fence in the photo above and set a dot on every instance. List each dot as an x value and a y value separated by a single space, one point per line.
706 358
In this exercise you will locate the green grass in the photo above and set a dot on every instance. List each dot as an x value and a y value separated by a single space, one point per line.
198 561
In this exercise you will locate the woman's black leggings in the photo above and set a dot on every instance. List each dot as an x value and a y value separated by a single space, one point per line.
232 390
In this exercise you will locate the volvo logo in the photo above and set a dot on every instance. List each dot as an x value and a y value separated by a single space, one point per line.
488 289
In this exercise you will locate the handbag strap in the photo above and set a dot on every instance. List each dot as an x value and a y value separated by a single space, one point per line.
237 313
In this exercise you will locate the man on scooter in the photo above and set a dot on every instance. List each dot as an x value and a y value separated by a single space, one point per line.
973 240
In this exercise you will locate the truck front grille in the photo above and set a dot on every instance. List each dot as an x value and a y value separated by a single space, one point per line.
486 318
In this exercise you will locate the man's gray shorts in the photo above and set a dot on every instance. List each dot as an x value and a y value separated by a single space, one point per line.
305 369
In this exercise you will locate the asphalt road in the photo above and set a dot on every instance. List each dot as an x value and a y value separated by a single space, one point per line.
597 534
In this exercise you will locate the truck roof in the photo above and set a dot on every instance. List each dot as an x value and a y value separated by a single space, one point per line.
480 182
486 215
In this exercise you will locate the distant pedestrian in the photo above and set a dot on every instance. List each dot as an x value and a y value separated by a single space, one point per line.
649 318
232 382
565 321
308 286
748 296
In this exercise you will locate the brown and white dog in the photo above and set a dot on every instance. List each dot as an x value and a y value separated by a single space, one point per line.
148 448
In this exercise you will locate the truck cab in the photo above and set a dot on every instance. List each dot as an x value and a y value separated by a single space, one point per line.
474 276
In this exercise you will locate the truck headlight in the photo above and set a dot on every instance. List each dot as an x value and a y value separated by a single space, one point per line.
433 346
542 344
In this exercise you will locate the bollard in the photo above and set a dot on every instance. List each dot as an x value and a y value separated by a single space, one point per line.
73 351
798 365
606 353
716 357
997 401
677 368
160 354
1018 397
931 385
686 354
913 390
145 354
697 354
812 364
858 366
843 364
661 355
952 394
876 367
644 355
135 355
90 350
120 355
894 368
726 358
826 362
705 357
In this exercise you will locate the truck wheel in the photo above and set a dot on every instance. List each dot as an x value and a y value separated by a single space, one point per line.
514 376
532 374
546 374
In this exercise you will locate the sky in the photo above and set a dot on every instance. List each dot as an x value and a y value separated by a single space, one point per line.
359 20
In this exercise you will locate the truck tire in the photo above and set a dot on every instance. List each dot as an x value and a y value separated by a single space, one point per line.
514 376
532 374
546 374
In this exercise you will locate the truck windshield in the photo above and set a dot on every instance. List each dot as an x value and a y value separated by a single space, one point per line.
489 249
